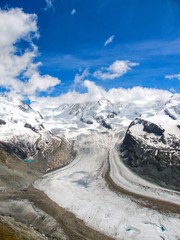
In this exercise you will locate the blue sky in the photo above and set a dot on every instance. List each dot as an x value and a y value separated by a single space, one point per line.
73 34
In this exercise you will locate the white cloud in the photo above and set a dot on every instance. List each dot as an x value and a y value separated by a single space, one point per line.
38 83
80 77
174 76
16 25
18 64
137 95
73 12
12 65
49 5
117 69
109 40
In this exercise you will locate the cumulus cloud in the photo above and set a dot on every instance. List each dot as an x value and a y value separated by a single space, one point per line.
137 95
109 40
73 12
173 76
115 70
49 5
38 83
17 66
16 25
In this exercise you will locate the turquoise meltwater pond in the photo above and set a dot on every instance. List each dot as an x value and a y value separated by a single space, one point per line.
28 160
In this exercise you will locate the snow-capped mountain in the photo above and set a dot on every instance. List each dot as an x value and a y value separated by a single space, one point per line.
23 135
152 145
19 117
90 134
154 128
99 115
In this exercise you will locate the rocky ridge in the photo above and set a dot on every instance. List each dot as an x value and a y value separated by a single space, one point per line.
151 146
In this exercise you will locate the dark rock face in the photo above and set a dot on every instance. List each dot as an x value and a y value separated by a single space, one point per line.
105 125
102 122
27 125
112 115
2 122
148 127
170 114
17 149
86 121
158 162
25 107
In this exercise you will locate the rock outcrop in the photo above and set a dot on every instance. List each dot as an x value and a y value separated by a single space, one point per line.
2 122
151 147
